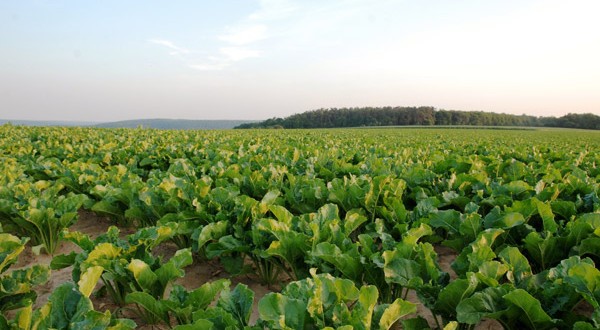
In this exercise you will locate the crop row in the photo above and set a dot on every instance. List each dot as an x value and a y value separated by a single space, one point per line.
368 207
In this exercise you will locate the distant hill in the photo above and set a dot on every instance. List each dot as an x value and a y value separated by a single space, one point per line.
46 122
175 124
420 116
146 123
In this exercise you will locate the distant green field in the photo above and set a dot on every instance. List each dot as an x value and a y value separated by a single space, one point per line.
342 223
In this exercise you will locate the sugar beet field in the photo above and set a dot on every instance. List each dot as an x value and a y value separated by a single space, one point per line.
301 229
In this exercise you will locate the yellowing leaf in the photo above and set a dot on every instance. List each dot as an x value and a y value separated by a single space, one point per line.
395 311
89 279
104 251
142 273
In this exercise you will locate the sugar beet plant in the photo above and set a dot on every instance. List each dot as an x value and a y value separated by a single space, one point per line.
125 265
519 209
38 210
17 286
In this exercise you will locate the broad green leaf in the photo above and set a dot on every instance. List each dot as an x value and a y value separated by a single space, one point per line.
577 232
347 264
592 219
491 271
447 219
292 247
238 302
583 326
585 278
201 324
200 298
63 260
428 259
470 226
96 320
415 323
566 209
211 232
545 211
143 274
413 235
282 312
108 208
225 244
517 263
362 313
220 318
4 323
153 309
527 208
543 251
66 304
343 289
486 303
452 294
517 188
402 271
81 239
234 264
353 220
590 246
173 268
122 324
152 236
532 313
503 220
328 212
514 169
478 252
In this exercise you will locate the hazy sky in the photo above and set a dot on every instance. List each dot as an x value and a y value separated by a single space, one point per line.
256 59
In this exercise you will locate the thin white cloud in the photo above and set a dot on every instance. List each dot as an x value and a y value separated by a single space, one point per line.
246 34
238 41
238 53
214 66
175 49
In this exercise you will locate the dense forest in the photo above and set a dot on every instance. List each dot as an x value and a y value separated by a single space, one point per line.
423 116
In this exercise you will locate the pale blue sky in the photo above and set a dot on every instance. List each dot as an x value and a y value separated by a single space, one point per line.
252 59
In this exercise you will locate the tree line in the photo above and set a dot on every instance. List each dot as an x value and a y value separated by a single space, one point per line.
422 116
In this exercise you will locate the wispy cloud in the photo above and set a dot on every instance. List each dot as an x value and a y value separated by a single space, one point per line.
235 49
243 35
175 50
238 41
210 66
